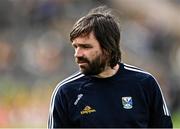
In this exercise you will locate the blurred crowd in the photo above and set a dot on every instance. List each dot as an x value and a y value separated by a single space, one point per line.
35 51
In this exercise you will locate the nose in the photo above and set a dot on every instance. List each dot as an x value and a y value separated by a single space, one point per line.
78 52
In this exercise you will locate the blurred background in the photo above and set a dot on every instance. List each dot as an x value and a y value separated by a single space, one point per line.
35 51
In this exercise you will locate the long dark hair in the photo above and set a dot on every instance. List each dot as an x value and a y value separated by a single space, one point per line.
106 29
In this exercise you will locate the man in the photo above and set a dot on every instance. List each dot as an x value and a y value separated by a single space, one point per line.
105 92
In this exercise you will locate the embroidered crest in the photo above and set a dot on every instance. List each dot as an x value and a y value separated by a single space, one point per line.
127 102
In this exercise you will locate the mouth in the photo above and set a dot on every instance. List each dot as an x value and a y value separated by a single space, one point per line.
82 63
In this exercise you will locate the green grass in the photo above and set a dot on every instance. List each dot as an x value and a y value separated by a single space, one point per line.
176 119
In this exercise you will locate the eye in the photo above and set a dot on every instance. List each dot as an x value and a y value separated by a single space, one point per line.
86 46
74 46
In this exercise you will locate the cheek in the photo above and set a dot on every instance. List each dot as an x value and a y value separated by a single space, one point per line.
95 54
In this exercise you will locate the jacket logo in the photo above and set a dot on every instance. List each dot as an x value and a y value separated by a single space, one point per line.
87 110
127 102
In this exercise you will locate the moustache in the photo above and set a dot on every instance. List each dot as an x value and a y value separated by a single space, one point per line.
82 60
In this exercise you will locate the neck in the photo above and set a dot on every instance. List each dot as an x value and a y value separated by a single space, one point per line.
108 72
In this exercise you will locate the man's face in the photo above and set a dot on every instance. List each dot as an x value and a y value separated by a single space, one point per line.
89 55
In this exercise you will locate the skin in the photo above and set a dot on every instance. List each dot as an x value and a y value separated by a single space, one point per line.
90 57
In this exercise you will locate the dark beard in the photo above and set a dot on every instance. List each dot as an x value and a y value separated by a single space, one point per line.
94 67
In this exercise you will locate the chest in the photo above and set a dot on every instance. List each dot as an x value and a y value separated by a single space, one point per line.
110 105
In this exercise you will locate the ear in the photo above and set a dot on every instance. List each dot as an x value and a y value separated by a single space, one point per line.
106 53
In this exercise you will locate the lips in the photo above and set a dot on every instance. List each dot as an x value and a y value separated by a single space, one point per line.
81 62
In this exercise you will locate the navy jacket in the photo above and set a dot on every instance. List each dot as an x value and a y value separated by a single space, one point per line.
131 98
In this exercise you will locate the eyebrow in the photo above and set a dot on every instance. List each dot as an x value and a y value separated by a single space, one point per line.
81 45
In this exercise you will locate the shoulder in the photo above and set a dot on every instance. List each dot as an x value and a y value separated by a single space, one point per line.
70 83
143 78
136 73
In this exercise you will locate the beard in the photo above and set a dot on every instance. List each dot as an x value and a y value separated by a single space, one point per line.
94 67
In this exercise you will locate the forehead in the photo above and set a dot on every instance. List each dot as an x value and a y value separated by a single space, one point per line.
89 39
